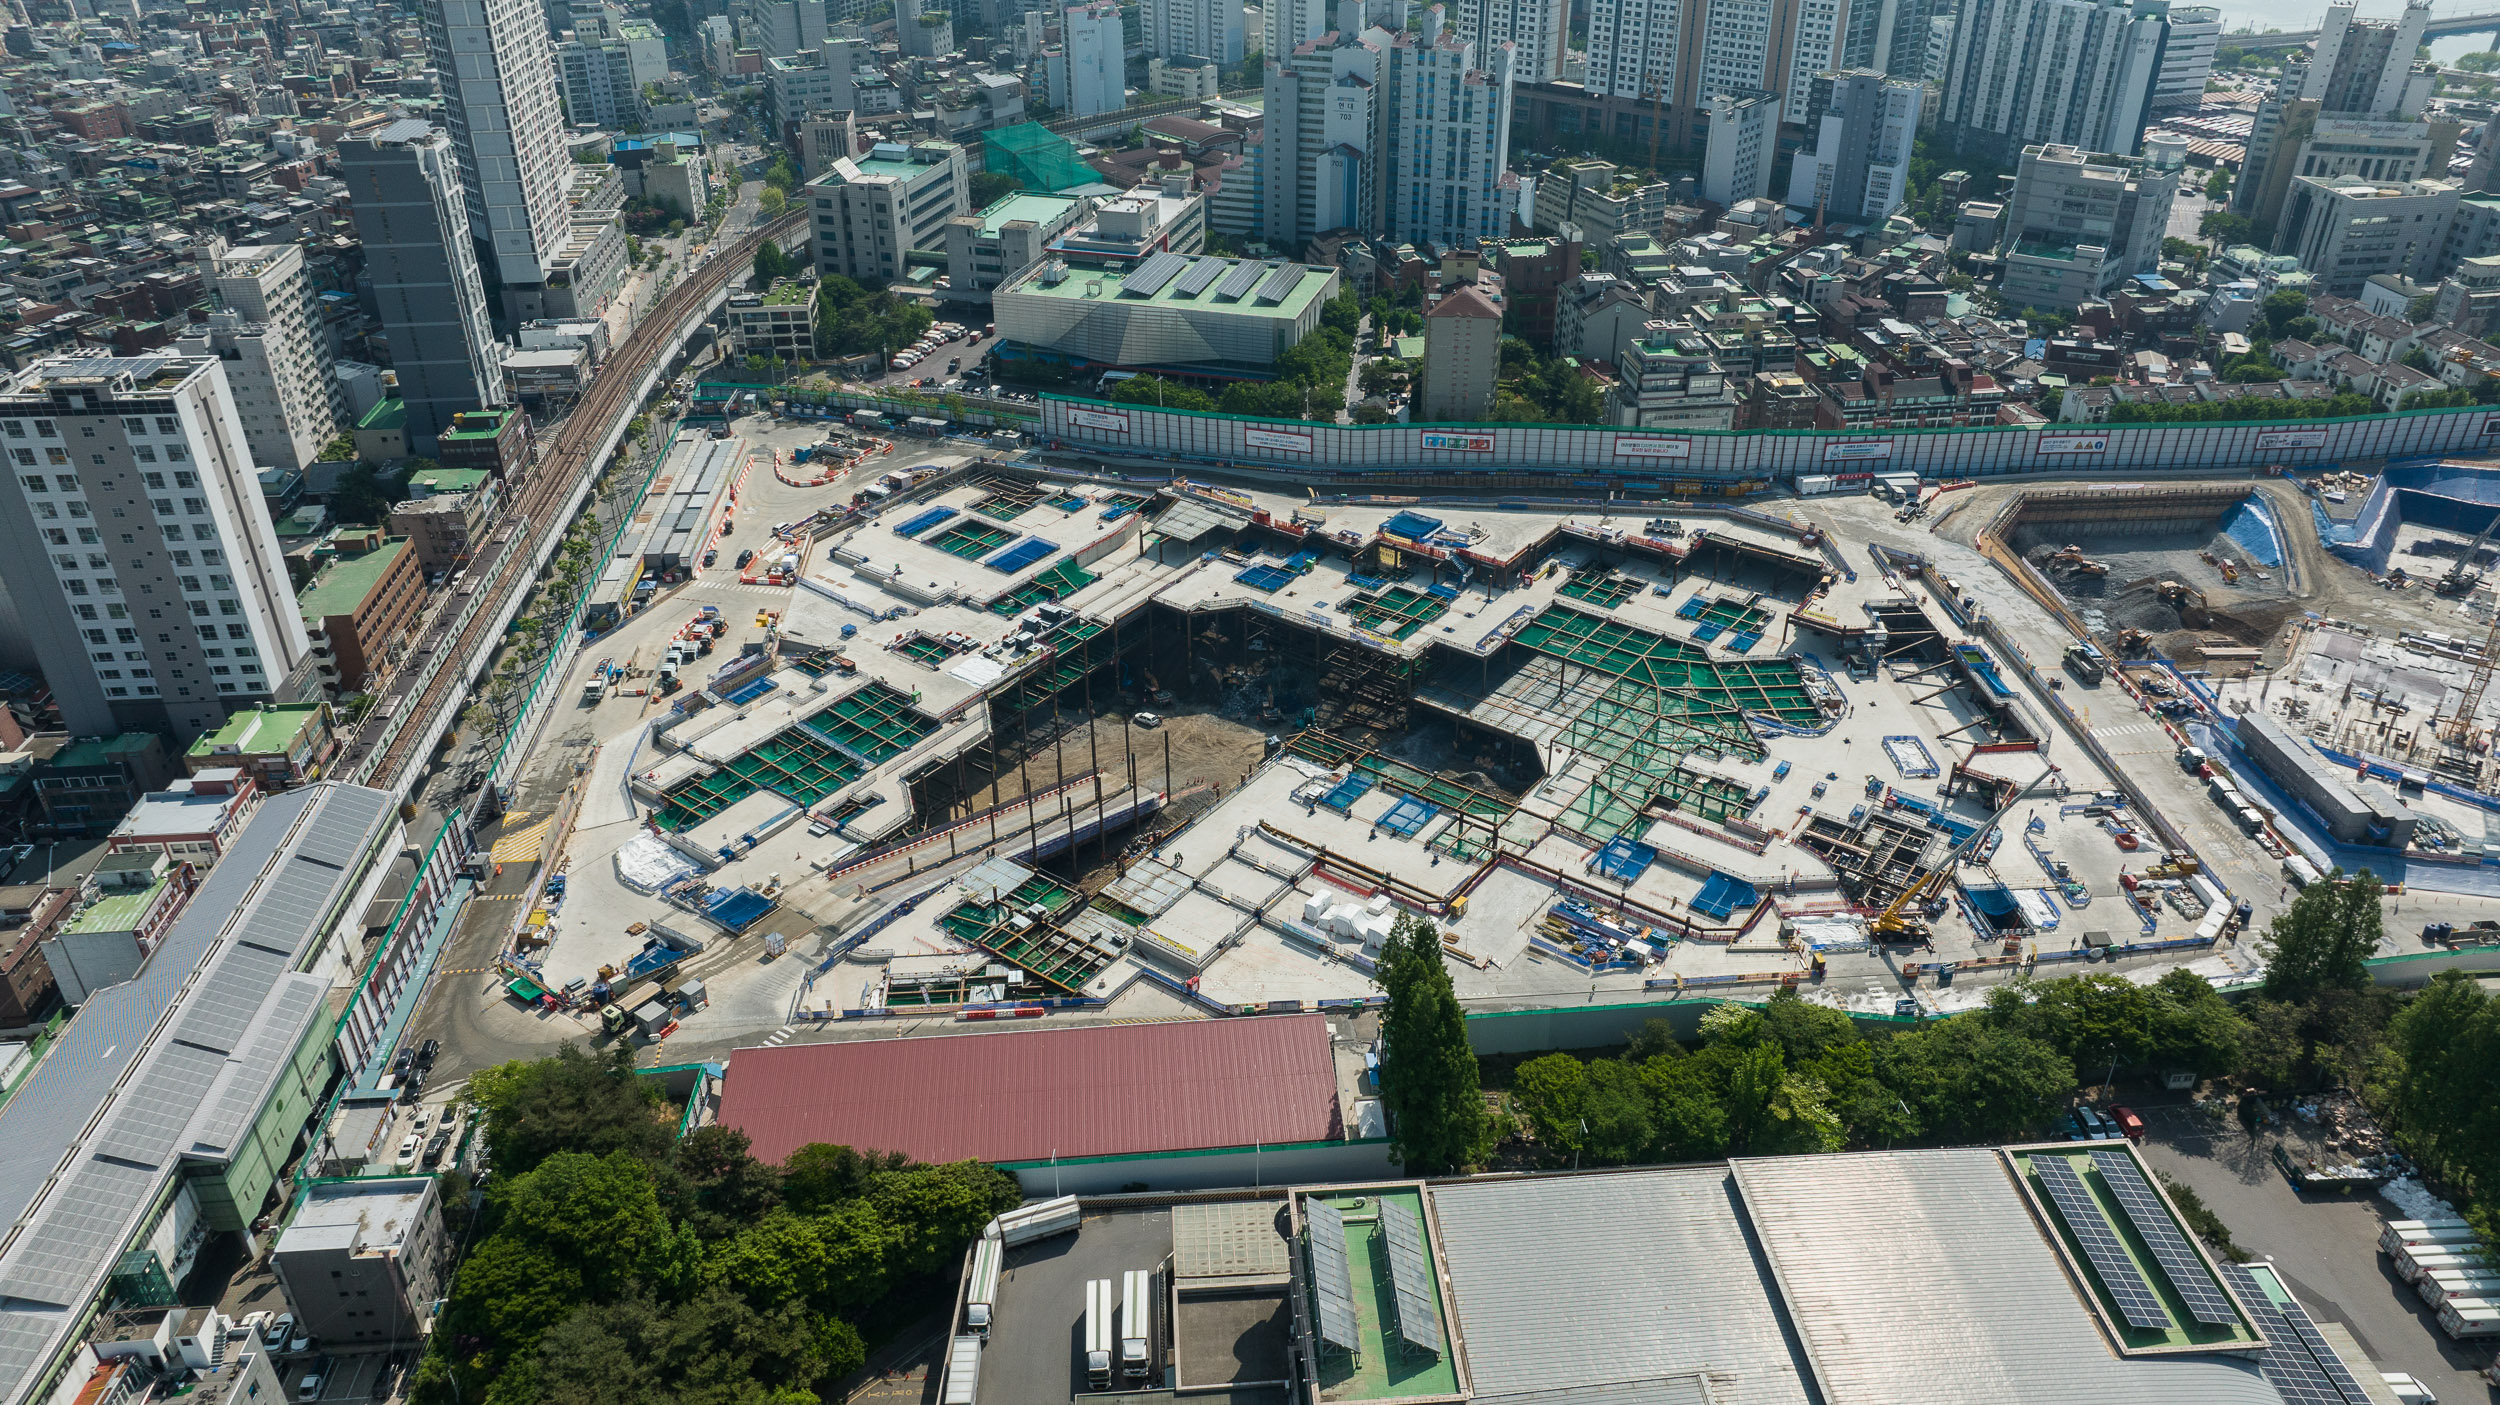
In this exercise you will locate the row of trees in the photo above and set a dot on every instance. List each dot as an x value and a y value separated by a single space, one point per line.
1310 379
613 1261
852 320
1794 1076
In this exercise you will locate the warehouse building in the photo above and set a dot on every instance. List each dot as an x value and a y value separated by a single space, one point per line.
2353 812
1177 313
1986 1275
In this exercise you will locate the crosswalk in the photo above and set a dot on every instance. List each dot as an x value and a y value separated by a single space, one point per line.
2132 730
780 1036
768 592
523 845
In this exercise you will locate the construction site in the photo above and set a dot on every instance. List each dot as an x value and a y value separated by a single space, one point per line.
1208 757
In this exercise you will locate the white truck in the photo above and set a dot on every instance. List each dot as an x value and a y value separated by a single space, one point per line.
981 1294
1136 1323
1098 1307
1039 1220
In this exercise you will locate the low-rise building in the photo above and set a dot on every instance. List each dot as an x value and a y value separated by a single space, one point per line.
495 440
381 433
553 374
442 528
277 746
779 322
357 607
1596 315
1002 241
192 820
1159 216
121 913
870 213
364 1262
1185 77
28 913
86 786
1882 398
2345 228
1664 385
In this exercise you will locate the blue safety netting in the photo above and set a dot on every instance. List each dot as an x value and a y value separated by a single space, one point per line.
1721 895
2251 526
746 693
1413 526
1266 578
922 522
1021 555
1408 816
1623 860
2452 496
1346 792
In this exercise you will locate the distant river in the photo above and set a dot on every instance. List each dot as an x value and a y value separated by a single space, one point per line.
2238 14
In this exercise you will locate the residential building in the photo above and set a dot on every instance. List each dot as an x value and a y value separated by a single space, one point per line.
1736 162
2074 73
119 916
870 212
444 529
140 545
2469 297
1462 358
498 78
267 330
1324 139
927 35
823 79
1087 73
277 747
1602 199
359 605
1882 398
779 28
1661 384
1537 31
87 786
2367 66
411 214
601 86
986 249
1663 61
497 441
1448 178
1534 274
28 913
1858 171
366 1262
779 322
1597 314
192 820
2187 56
1179 29
2079 223
2343 229
1235 324
1188 76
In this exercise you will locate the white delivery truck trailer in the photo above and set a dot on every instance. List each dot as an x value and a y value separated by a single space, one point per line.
1136 1323
1098 1308
963 1372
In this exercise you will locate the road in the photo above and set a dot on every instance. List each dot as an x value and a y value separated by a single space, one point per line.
386 753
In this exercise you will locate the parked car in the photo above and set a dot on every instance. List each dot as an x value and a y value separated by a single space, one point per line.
427 1051
408 1151
281 1328
1148 720
435 1146
309 1388
2128 1123
299 1343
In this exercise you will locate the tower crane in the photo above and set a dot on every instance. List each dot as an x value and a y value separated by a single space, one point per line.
2458 726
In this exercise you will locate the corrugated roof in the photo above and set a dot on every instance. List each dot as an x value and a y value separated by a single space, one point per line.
1921 1275
1582 1283
1028 1095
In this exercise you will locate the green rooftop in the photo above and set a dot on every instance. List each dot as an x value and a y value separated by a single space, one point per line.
347 580
1024 205
303 521
259 731
1385 1368
481 425
450 480
1105 285
122 912
385 414
788 294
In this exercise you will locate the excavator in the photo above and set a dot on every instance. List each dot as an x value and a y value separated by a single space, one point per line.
2465 575
2191 602
2073 559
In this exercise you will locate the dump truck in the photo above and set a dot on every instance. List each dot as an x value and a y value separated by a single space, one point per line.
1098 1307
1136 1323
596 686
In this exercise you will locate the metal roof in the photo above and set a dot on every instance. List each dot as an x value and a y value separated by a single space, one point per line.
1598 1284
90 1141
1029 1095
1921 1275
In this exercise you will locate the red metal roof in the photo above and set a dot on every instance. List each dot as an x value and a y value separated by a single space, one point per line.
1029 1095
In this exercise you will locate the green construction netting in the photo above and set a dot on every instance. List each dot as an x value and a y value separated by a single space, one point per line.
1037 157
1645 656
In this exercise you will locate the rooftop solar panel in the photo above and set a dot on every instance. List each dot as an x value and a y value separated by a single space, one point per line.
1201 273
1410 1276
1160 267
2178 1258
1244 276
2134 1297
1281 283
1332 1278
2290 1364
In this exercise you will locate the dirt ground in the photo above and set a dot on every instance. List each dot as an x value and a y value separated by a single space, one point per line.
1190 748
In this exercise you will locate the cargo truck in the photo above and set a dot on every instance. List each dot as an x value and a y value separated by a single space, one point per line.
2397 1233
1098 1306
963 1372
1039 1220
982 1292
1136 1323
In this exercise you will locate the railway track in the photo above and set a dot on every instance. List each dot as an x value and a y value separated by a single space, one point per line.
529 522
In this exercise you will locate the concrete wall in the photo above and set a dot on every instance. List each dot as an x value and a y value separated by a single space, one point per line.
1707 461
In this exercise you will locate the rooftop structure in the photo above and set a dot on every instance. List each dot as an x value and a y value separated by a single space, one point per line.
1170 311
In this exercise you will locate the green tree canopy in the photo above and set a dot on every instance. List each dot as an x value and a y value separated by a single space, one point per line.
570 1101
1428 1079
2322 939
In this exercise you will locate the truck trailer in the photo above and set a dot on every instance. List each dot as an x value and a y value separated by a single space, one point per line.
1098 1309
1136 1323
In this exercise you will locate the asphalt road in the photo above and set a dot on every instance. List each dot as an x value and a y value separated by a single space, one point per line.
2325 1246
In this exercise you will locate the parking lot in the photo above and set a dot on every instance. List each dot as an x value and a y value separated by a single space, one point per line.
2324 1245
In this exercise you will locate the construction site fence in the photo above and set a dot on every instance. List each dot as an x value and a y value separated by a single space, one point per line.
2357 760
1720 463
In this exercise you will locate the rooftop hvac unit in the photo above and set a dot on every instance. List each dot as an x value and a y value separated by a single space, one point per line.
1054 273
1036 911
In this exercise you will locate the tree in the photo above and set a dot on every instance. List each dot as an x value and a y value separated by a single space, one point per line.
1970 1080
782 175
1156 391
571 1101
590 1213
1616 1109
2218 186
366 494
2281 309
1428 1078
820 1175
987 188
2194 1028
1271 399
1547 1091
2320 942
2223 228
1342 313
771 201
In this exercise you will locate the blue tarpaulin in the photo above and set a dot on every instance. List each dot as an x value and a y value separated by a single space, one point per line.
1408 816
746 693
921 522
1623 860
1413 526
1021 555
1347 791
1266 578
1721 895
737 908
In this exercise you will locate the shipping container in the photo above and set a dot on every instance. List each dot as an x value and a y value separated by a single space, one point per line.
2469 1317
1136 1324
1039 1220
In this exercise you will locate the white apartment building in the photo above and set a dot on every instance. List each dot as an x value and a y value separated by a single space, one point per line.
600 85
1858 170
1736 162
1449 116
2079 223
267 330
2075 73
870 212
1211 29
1535 29
498 76
2187 59
139 546
1088 72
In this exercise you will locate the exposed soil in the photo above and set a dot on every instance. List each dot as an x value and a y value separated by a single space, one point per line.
1190 748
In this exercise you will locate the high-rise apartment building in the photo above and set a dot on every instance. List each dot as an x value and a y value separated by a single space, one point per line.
267 329
779 28
1448 139
2079 223
410 213
140 555
2077 73
1736 160
1462 358
600 83
1858 170
1537 31
1088 73
1177 29
498 76
2187 56
1322 143
2367 65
